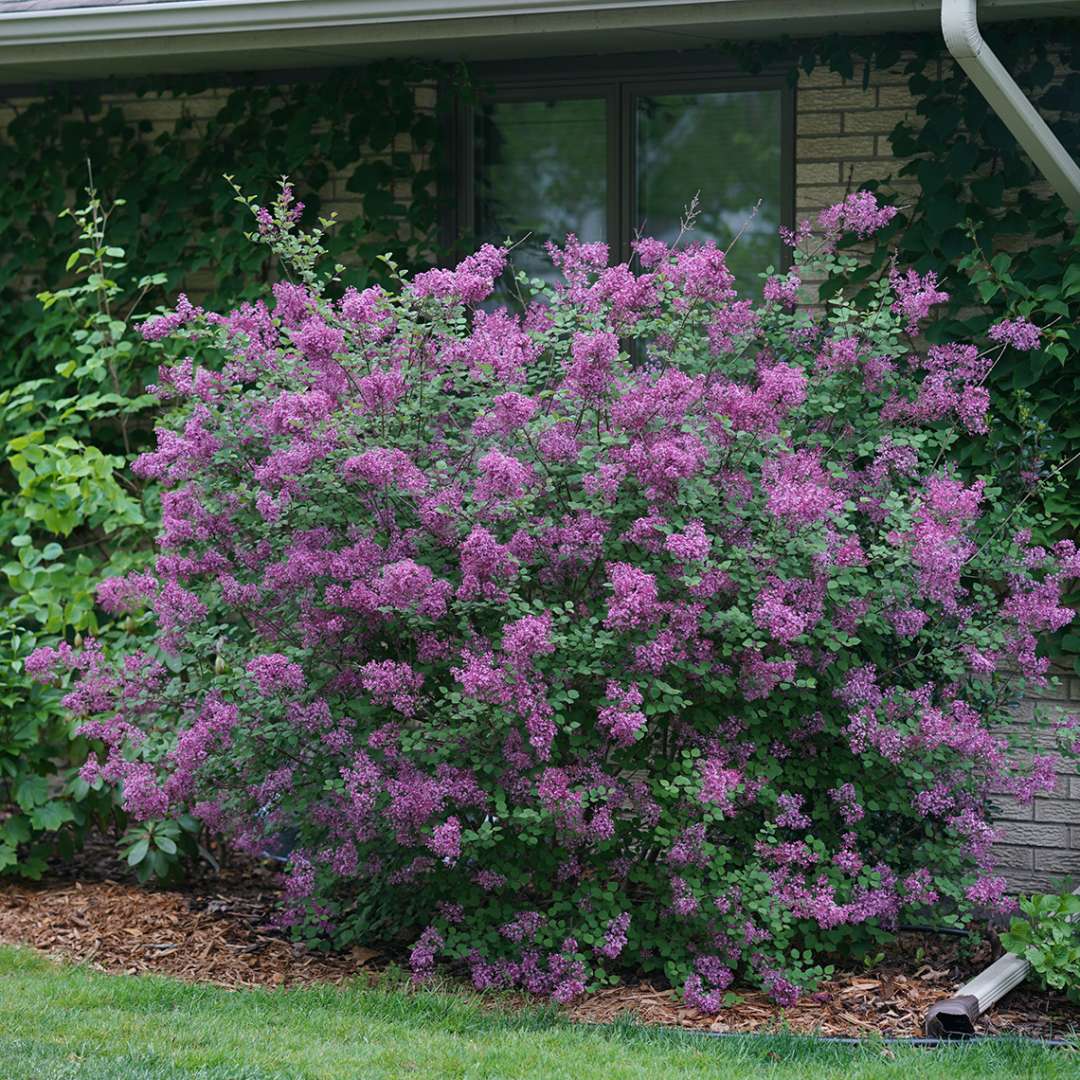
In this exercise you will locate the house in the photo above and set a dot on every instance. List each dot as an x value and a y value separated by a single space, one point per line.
595 115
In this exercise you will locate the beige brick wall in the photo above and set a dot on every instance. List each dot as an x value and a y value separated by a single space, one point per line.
841 135
841 139
1040 843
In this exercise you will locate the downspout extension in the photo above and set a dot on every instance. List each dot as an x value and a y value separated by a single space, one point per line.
958 1015
960 26
955 1017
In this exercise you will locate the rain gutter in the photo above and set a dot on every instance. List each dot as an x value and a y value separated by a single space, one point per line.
70 39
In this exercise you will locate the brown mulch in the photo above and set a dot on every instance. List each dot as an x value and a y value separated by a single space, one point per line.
123 928
220 937
891 1001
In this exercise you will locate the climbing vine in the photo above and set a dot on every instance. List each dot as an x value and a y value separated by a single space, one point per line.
981 204
72 372
980 199
358 134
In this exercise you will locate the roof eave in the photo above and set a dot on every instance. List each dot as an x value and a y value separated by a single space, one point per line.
177 36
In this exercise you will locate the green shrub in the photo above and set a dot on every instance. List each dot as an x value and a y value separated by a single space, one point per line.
1048 937
69 514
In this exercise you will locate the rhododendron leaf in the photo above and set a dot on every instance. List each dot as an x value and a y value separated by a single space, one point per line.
138 852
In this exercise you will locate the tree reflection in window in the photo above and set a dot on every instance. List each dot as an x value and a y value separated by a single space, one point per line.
541 172
543 168
725 146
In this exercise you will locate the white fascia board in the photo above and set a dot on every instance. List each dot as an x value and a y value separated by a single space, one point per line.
165 34
177 19
233 16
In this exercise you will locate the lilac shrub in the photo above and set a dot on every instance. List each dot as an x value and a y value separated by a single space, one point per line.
645 629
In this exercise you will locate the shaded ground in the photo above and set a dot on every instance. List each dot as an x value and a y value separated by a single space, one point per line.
215 932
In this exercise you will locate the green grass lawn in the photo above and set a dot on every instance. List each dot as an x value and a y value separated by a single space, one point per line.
58 1021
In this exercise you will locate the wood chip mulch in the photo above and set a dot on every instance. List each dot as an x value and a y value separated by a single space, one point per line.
123 928
221 938
849 1006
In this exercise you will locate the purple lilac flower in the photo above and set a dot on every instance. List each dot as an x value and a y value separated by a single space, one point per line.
1019 333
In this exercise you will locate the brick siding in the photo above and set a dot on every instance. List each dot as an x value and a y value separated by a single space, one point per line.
1040 843
842 135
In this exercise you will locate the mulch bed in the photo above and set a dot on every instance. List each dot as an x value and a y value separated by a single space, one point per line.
215 932
891 1000
215 939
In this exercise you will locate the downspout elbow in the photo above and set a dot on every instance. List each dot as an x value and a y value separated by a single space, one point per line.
960 28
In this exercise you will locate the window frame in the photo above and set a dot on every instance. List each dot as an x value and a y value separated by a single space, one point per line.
619 80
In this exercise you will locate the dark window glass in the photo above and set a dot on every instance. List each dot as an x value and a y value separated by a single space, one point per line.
541 172
724 146
611 156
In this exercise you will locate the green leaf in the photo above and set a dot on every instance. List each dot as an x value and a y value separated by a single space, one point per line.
138 852
31 791
52 815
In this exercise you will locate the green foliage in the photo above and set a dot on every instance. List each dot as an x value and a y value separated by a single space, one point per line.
157 848
72 407
1003 246
69 514
983 206
341 132
1049 939
985 221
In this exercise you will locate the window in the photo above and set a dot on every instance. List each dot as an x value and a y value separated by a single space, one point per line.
609 151
541 172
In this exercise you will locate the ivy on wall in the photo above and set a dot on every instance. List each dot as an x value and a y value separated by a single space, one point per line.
980 196
72 370
979 193
179 209
975 188
980 199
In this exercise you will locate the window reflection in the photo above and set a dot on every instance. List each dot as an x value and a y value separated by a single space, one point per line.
541 169
725 146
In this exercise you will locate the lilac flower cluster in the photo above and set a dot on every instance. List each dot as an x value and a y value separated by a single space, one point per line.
634 632
1019 333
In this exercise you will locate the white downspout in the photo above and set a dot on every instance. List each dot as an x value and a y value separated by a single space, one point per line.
960 25
956 1016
